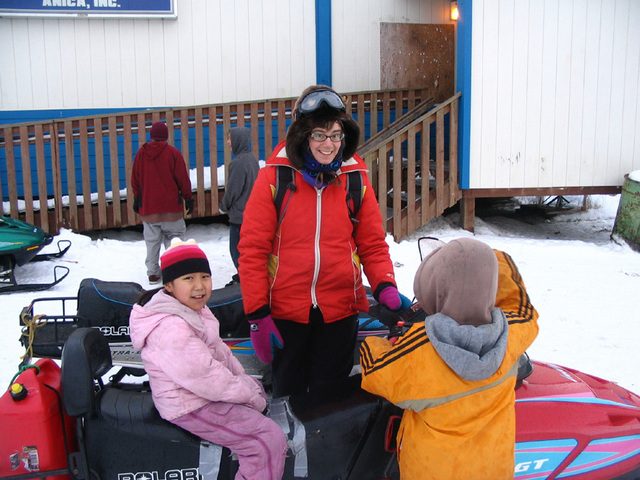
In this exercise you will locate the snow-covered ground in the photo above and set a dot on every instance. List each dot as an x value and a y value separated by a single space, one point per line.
585 286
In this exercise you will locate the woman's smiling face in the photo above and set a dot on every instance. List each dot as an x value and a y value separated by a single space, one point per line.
325 152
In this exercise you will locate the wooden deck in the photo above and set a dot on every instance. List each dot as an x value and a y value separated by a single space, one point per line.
80 168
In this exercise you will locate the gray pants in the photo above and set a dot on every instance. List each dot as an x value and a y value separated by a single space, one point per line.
156 234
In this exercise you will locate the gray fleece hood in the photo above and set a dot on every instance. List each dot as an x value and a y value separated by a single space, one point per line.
240 138
474 353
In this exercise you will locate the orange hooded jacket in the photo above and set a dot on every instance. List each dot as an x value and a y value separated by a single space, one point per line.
454 428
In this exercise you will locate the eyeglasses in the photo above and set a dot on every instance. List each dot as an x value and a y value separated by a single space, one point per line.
317 99
321 137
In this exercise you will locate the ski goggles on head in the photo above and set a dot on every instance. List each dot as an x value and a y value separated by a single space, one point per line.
319 99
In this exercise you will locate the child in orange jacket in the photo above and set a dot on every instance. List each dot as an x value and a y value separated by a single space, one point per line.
454 374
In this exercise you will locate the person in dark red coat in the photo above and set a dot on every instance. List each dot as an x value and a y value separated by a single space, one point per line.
301 273
161 190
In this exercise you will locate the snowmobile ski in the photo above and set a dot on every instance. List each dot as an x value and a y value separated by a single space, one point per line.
50 256
8 283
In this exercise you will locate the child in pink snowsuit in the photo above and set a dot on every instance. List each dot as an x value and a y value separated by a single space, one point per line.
196 382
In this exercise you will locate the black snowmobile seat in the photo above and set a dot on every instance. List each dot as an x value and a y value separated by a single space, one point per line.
226 304
107 305
85 357
133 412
119 428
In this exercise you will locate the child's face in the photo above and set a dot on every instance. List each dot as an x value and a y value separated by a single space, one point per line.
192 290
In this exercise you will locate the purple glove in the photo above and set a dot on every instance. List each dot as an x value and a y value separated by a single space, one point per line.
390 297
265 338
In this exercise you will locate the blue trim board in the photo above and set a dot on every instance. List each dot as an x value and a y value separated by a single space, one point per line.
9 117
323 42
463 84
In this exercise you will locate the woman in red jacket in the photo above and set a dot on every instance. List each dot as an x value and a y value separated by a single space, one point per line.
301 267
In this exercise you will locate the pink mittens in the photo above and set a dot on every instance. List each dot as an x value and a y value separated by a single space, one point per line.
390 297
265 337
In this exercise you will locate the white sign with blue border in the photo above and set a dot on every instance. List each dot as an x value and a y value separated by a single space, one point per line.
82 8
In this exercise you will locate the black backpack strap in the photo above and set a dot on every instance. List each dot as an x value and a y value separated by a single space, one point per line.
354 195
285 182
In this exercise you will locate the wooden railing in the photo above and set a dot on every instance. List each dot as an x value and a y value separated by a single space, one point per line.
74 173
418 165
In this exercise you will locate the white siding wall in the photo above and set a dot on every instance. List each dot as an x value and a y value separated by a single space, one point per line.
356 35
216 51
554 96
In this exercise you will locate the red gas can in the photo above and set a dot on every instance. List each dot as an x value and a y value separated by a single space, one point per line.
31 421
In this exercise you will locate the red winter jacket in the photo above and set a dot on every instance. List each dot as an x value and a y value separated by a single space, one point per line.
314 258
160 179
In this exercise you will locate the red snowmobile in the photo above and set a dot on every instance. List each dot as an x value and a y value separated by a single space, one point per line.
89 421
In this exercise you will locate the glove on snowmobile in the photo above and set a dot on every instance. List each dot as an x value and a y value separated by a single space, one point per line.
390 317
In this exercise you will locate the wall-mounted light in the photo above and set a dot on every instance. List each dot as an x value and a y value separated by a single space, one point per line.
454 10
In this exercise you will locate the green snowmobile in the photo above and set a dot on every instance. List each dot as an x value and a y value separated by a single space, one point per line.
20 243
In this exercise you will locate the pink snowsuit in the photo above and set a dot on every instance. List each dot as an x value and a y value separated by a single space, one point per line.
198 384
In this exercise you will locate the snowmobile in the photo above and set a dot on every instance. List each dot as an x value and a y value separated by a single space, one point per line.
21 242
47 322
98 422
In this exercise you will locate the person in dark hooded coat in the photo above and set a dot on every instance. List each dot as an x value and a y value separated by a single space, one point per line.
242 175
